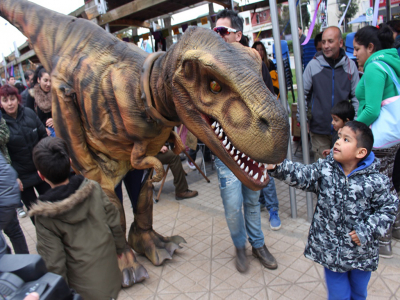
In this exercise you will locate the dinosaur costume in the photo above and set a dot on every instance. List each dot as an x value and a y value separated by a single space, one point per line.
115 106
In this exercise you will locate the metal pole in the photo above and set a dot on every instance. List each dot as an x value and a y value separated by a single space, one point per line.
300 97
21 70
388 10
232 5
282 88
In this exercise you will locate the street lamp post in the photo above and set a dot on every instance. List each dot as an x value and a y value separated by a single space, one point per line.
343 8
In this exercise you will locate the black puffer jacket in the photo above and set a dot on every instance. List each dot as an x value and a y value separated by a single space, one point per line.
25 132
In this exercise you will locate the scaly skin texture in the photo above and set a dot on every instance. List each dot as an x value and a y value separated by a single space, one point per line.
99 111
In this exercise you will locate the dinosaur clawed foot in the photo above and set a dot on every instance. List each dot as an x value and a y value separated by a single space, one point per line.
132 271
156 247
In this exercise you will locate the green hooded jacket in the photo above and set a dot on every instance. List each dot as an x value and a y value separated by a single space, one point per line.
80 236
376 85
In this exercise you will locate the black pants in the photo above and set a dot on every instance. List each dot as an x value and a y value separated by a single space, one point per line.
28 195
396 172
10 225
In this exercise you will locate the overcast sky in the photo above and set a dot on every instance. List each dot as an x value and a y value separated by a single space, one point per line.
9 33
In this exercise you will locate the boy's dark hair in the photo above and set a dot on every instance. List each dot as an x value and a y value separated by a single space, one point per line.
51 158
344 110
364 136
317 39
236 20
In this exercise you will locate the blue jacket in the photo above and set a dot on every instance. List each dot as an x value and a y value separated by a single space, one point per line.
324 86
360 201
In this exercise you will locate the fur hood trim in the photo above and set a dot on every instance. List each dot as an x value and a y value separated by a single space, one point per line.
52 209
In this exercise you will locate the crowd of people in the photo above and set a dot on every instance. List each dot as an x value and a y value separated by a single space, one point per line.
357 211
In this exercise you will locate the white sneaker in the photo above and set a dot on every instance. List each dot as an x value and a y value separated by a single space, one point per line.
190 164
21 213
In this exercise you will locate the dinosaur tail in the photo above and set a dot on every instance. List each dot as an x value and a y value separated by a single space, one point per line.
45 29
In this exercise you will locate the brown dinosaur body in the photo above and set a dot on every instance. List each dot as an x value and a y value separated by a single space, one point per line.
116 116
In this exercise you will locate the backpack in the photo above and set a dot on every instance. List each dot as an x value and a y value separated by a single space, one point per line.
386 128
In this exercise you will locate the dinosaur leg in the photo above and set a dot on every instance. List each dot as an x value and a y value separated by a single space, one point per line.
66 122
142 238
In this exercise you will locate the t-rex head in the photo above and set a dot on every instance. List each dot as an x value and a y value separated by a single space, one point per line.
220 96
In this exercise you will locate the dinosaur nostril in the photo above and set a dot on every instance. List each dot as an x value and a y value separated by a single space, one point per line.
264 121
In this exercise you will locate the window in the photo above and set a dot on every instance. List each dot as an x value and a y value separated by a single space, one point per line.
247 21
258 18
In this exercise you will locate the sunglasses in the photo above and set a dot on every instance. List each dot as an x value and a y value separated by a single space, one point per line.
222 30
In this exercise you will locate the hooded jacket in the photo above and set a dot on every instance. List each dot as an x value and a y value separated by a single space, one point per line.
326 85
376 85
79 235
360 201
25 132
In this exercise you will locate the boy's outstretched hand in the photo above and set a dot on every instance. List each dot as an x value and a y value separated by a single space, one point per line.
355 238
326 152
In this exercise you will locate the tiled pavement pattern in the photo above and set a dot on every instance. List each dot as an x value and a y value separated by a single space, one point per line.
204 268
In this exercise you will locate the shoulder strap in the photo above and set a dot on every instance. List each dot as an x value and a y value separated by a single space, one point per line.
392 74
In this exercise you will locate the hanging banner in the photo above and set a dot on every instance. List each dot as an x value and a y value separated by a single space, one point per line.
376 10
369 15
175 30
184 27
310 30
145 36
165 33
344 14
204 20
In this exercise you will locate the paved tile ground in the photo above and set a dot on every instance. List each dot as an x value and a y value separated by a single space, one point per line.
204 268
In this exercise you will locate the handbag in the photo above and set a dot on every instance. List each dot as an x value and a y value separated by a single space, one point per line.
386 128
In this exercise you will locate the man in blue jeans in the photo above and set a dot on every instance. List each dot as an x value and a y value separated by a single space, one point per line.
269 200
236 195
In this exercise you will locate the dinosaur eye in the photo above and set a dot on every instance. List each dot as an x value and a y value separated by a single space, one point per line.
215 87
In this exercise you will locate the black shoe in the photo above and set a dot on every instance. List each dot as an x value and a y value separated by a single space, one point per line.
242 262
266 258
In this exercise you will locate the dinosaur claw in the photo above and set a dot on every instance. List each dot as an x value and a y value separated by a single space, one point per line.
171 247
153 245
177 239
127 278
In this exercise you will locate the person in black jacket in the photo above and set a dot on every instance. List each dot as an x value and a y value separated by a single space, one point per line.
39 98
26 130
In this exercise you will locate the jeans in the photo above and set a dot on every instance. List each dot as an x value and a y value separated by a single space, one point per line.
10 225
236 195
349 285
268 196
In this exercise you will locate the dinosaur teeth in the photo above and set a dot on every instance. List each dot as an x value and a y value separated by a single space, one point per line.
248 158
254 162
216 131
233 148
259 165
238 152
236 158
214 125
228 146
225 142
220 135
242 166
247 170
251 173
243 155
239 162
231 152
255 176
262 178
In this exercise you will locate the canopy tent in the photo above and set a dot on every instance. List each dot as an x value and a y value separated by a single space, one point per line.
360 19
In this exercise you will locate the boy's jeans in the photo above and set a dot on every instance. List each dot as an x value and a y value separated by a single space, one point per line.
268 197
350 285
236 195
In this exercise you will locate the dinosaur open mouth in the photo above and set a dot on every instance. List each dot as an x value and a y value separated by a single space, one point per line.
255 170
